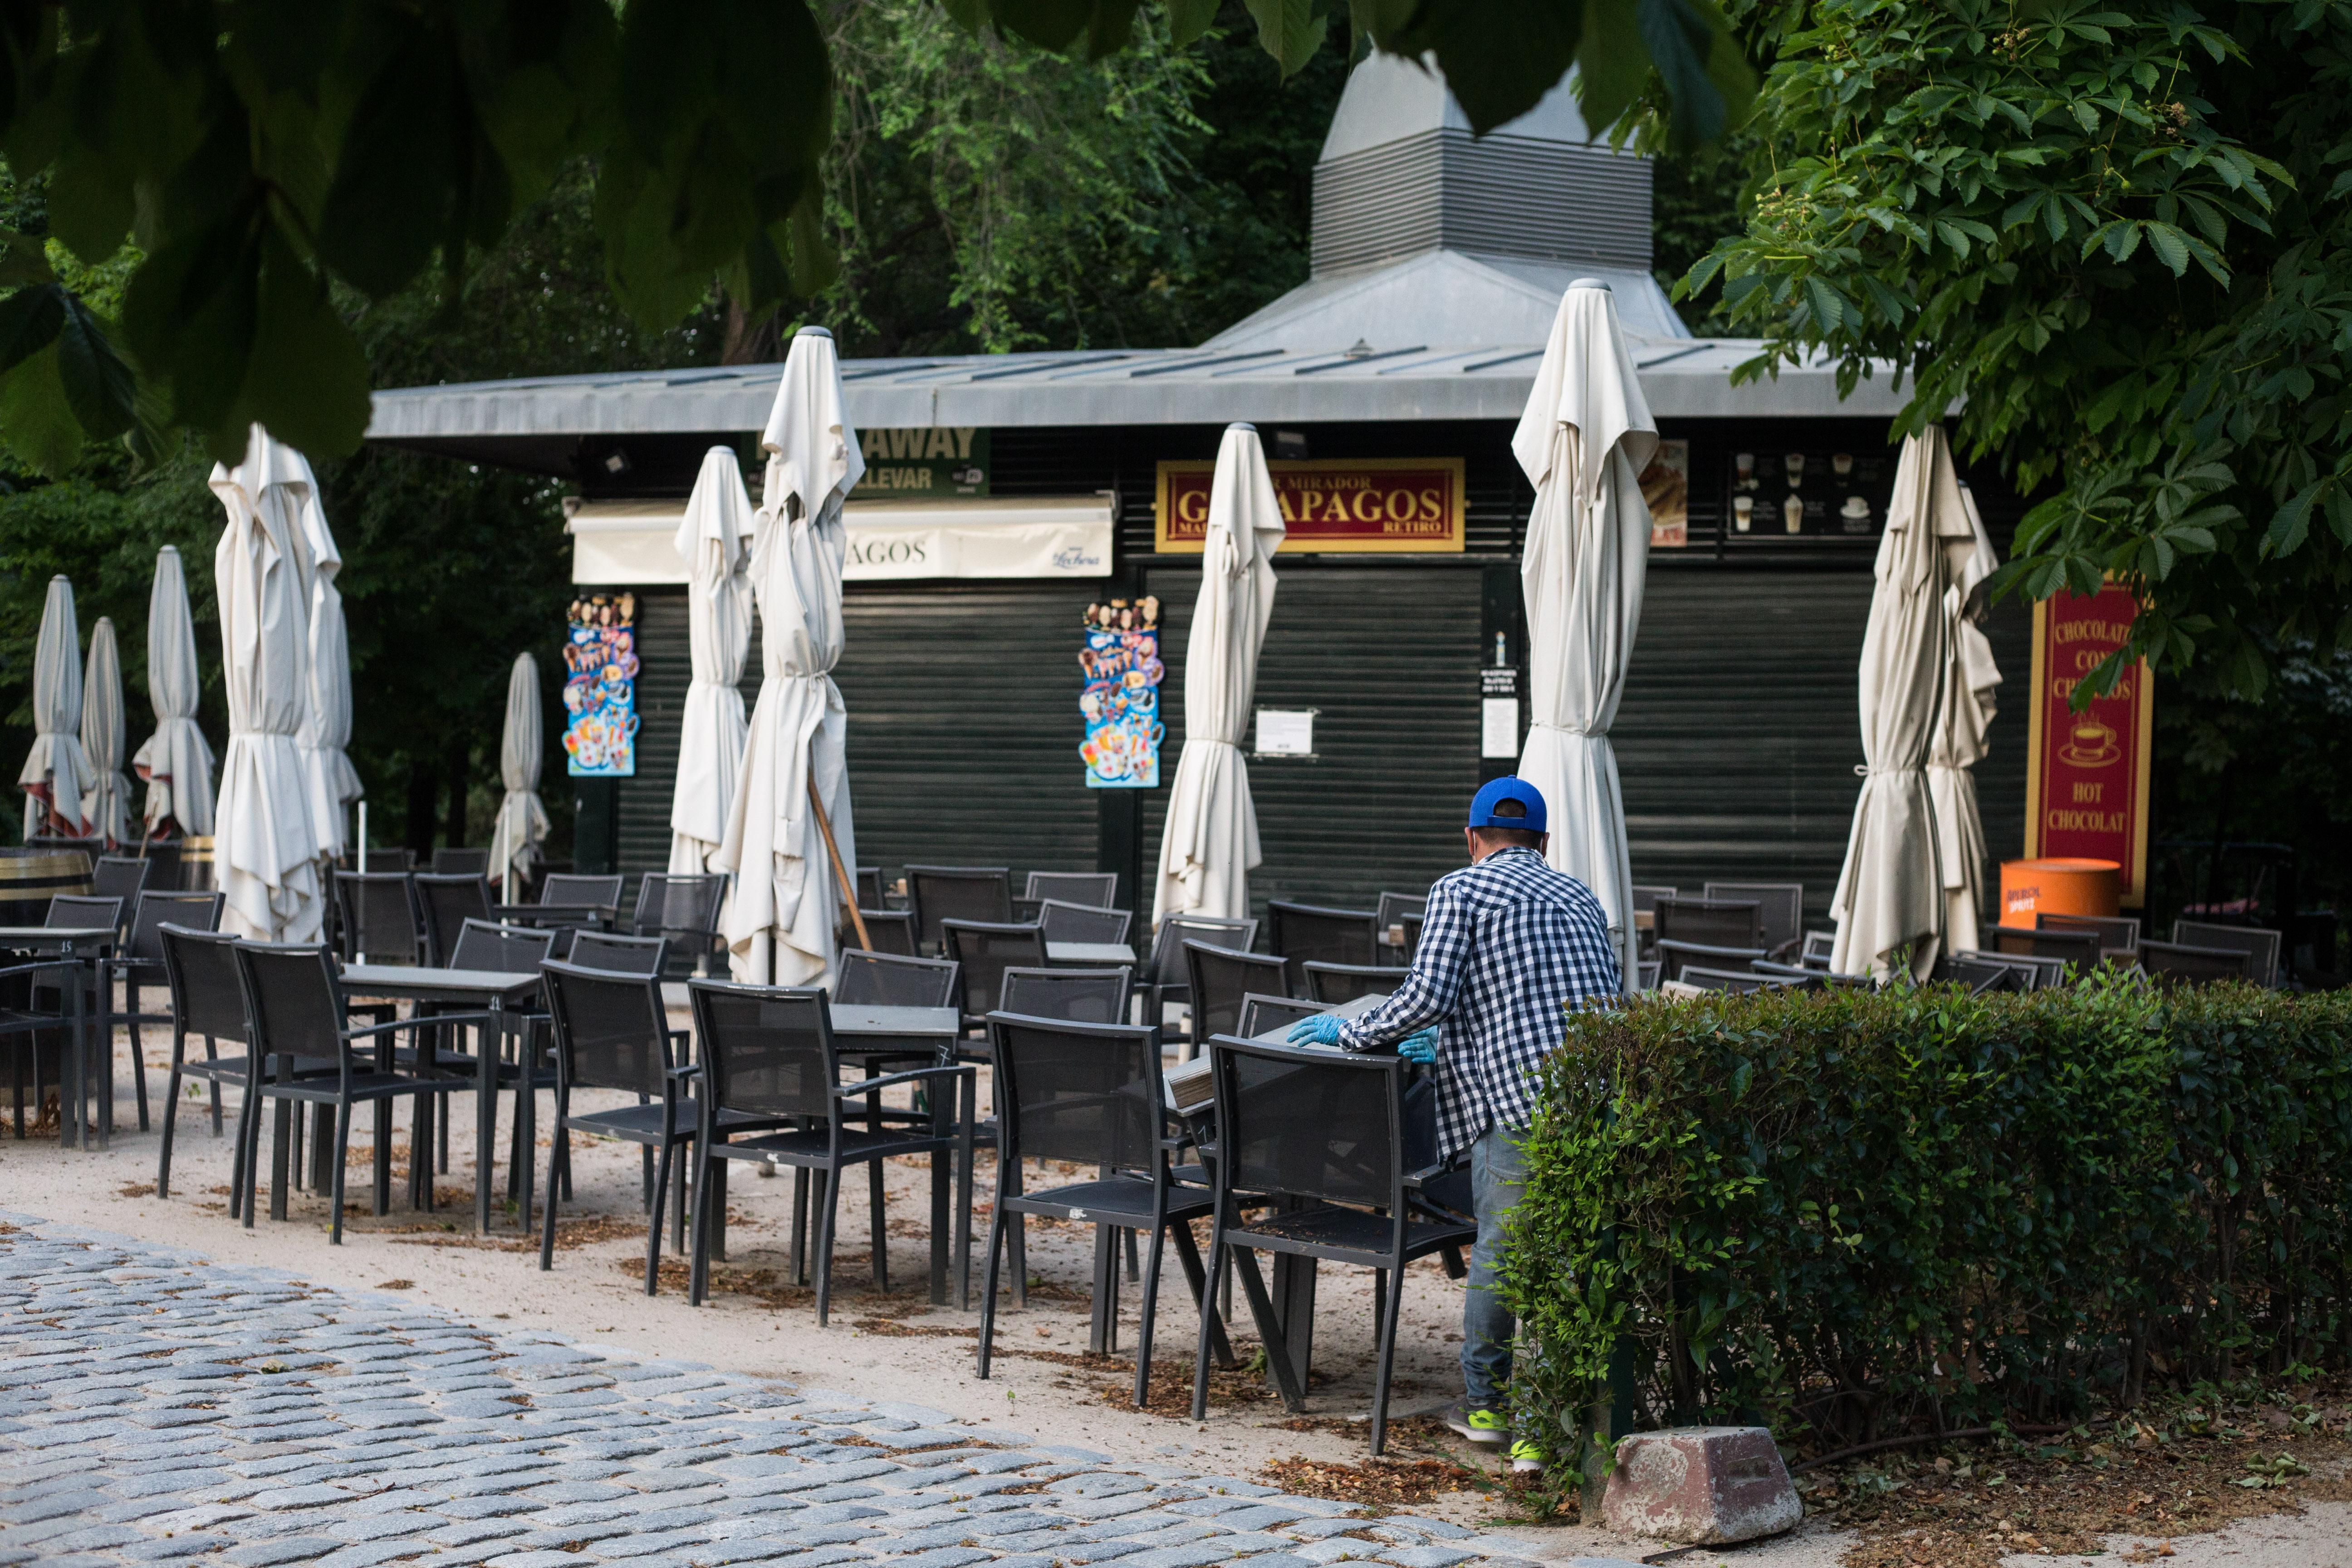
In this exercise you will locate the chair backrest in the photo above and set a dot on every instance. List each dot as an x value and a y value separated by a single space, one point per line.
449 900
611 1030
870 889
1394 907
1309 1123
1220 978
614 955
1980 976
1711 922
82 910
571 888
1674 955
380 916
1082 923
2033 974
1085 1092
2118 934
981 894
1095 890
1647 971
1411 937
986 949
1820 945
1779 905
1736 981
164 869
2079 949
2264 944
197 912
1647 894
894 980
1072 995
2178 963
1168 967
890 931
1260 1014
293 1001
1025 910
207 997
461 862
120 877
509 950
673 905
1332 984
765 1049
1303 931
382 862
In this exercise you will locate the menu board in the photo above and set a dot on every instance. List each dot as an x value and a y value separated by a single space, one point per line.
1809 494
2087 772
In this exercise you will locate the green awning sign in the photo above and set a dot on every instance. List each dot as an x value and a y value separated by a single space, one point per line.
944 461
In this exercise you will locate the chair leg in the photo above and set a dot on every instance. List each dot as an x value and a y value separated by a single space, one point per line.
526 1148
212 1054
654 1218
1210 1326
555 1151
825 1222
878 1225
1392 1302
650 1188
171 1121
342 1147
676 1191
138 1055
698 1265
249 1139
1188 1256
800 1224
997 1237
1143 1327
963 1215
1132 1268
1018 1257
384 1157
281 1154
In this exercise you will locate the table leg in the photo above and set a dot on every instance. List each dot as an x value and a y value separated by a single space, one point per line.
1294 1309
74 1079
486 1111
943 1114
103 1037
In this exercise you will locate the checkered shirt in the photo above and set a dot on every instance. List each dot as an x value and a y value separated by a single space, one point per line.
1505 945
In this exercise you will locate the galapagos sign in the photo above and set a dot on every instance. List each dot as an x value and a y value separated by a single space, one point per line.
2087 774
1357 505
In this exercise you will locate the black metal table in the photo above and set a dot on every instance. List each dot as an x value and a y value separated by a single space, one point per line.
76 946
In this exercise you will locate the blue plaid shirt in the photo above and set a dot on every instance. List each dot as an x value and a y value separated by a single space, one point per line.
1506 946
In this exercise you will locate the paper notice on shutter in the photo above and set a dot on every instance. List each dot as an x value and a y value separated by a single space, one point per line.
1498 726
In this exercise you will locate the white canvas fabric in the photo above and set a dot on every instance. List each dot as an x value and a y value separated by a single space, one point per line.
1583 441
714 539
779 920
265 848
1209 845
108 806
56 777
522 820
327 772
1973 684
176 761
1891 892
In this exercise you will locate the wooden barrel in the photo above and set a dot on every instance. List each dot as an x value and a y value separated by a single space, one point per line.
196 864
29 879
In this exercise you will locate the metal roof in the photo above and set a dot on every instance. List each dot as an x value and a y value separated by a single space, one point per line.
1388 98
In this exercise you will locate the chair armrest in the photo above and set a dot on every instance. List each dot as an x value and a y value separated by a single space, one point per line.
867 1085
690 1070
53 965
431 1020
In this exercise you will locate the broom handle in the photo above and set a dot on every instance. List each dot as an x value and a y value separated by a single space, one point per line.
848 884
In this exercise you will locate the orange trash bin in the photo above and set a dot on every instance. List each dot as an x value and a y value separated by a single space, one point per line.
2059 887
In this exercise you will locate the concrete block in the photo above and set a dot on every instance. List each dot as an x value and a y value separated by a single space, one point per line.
1704 1486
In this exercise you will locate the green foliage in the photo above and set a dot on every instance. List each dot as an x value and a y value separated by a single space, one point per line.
2114 236
1850 1214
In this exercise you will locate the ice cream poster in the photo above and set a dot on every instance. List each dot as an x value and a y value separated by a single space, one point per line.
1120 699
600 686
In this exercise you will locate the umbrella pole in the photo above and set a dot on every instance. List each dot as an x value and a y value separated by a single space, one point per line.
847 883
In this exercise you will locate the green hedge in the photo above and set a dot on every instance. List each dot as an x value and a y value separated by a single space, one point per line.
1850 1215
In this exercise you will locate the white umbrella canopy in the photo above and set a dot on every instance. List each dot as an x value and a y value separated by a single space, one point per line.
1891 894
1583 441
1210 844
176 761
1973 686
779 921
264 846
108 806
327 772
714 539
56 777
522 821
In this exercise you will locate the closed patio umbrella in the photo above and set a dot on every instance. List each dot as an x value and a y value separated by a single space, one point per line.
1210 844
522 821
1583 442
779 921
1974 685
264 846
176 761
1890 896
56 777
714 539
109 804
327 772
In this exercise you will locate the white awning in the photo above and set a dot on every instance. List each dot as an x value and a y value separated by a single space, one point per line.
626 543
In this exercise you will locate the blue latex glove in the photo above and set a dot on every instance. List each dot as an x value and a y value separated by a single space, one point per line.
1419 1046
1322 1029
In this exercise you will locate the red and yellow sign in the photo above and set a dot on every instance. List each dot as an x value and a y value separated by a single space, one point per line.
2087 774
1351 504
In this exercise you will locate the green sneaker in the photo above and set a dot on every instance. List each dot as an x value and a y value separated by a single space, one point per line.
1487 1428
1524 1460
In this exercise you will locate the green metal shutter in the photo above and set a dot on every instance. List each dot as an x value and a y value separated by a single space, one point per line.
664 666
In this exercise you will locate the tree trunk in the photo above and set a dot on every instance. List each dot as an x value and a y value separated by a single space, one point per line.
749 342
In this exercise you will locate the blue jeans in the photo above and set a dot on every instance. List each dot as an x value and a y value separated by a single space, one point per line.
1499 1174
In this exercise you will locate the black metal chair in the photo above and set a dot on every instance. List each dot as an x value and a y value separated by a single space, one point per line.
1072 995
1090 1094
895 980
295 1014
2261 942
1711 922
1738 982
2032 973
889 931
2078 950
1647 973
1647 894
1413 923
1673 956
641 955
769 1061
384 862
83 909
985 950
1221 979
686 911
120 877
1328 984
2119 935
1980 977
1321 1134
1301 932
1082 923
1392 911
1261 1013
33 1031
461 862
1820 945
140 964
1780 906
382 921
575 889
1095 890
207 1002
1167 976
870 894
2178 963
977 894
447 901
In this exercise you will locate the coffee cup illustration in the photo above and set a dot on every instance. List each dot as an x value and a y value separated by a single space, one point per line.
1744 463
1856 513
1792 513
1743 511
1795 466
1841 463
2090 744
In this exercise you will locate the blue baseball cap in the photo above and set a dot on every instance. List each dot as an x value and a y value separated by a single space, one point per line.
1511 788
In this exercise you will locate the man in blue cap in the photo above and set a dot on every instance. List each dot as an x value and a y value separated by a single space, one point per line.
1508 944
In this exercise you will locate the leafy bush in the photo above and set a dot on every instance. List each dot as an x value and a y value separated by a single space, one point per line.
1848 1215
